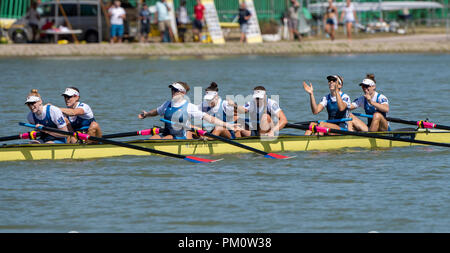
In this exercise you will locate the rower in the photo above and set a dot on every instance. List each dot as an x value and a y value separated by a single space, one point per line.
336 102
262 112
179 110
374 104
221 109
80 115
48 115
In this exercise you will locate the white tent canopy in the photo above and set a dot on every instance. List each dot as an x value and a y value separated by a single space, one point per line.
377 6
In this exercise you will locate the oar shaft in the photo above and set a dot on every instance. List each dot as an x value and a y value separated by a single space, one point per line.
117 143
418 123
326 121
377 136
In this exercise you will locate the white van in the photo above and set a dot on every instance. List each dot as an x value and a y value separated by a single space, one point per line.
82 15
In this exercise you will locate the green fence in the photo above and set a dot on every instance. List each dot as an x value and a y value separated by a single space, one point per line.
13 8
228 9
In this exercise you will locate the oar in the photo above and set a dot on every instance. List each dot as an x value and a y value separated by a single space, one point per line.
327 121
28 135
237 144
151 131
121 144
369 135
418 123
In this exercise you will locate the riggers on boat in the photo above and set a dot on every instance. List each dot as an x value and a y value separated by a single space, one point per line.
284 143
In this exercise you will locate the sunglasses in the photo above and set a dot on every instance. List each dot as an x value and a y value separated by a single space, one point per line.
365 86
67 97
31 103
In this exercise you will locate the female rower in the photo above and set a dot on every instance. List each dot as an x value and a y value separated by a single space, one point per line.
179 110
221 109
337 104
330 19
262 113
374 104
48 115
80 115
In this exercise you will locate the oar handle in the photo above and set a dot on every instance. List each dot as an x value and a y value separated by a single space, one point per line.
28 135
151 131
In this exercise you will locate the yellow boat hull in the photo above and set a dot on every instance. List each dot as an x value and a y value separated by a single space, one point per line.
199 147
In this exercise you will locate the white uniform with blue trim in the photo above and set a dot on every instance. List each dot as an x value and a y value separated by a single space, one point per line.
51 117
255 112
178 112
368 108
330 103
222 110
80 121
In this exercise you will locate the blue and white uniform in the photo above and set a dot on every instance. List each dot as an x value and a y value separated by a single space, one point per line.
222 111
178 112
331 104
255 112
51 117
368 108
82 122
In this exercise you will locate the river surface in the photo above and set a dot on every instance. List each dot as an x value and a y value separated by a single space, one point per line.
390 190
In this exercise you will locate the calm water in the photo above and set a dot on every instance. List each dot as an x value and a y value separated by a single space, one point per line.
396 190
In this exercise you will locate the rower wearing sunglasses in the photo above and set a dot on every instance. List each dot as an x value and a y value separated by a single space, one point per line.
336 102
80 115
179 110
374 104
45 115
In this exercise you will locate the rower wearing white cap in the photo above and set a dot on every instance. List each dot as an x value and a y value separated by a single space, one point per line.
179 110
48 115
336 102
221 109
374 104
262 112
80 115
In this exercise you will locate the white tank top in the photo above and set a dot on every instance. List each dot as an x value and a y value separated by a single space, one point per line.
349 17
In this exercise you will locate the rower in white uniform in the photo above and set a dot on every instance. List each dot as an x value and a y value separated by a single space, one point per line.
80 115
215 106
265 117
336 102
374 104
48 116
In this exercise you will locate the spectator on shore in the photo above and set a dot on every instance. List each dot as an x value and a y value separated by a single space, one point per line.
163 19
330 18
182 20
47 26
117 15
348 16
244 16
293 20
145 17
33 18
199 20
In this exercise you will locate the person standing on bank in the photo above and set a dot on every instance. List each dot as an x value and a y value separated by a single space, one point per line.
163 19
330 18
199 20
244 17
117 15
293 21
182 20
348 16
145 17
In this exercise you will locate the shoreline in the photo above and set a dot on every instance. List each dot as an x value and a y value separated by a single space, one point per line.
425 43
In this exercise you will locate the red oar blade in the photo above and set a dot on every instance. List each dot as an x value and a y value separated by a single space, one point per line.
199 160
277 156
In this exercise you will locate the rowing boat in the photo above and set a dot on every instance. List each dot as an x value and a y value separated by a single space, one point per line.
283 143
